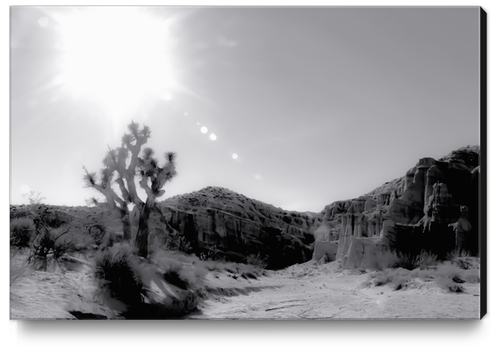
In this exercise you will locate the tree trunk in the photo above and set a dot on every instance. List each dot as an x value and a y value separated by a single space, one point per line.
126 223
141 241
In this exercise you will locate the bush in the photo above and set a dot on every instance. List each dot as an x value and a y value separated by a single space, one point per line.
181 270
379 260
194 275
457 253
425 260
407 261
379 278
97 233
177 243
116 272
256 260
449 284
449 276
422 260
48 246
173 276
399 278
21 230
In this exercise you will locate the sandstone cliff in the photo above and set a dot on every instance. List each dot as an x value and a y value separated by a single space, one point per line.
434 207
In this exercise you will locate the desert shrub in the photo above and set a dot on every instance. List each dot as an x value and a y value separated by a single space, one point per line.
379 278
194 275
179 243
399 278
449 284
462 260
457 253
48 246
21 230
462 263
425 260
449 276
256 260
407 261
97 233
182 270
210 253
173 276
425 274
116 274
378 260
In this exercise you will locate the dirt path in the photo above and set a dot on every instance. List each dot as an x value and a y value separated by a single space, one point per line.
303 292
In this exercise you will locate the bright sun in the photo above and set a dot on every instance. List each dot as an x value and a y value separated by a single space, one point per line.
116 55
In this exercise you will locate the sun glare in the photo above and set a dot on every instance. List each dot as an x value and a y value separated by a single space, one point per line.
115 55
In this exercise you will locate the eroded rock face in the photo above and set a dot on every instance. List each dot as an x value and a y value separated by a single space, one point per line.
238 226
434 207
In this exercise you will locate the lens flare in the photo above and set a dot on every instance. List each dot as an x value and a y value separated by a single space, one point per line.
204 130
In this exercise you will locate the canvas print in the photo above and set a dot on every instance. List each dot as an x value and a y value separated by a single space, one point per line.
251 163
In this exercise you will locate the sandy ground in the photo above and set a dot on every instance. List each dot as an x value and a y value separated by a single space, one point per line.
51 295
305 291
310 291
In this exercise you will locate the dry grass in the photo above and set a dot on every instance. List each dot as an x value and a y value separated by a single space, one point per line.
378 260
447 275
116 273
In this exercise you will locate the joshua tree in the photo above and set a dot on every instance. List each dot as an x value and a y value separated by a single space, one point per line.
122 166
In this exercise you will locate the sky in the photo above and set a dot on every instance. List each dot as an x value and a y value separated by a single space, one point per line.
296 107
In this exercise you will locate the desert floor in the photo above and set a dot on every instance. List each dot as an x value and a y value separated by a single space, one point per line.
304 291
309 291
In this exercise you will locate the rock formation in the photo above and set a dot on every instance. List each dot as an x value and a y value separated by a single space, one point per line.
433 208
237 226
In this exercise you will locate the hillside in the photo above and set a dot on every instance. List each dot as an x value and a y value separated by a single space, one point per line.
237 226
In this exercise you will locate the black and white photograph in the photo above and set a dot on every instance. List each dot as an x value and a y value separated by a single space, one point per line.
246 163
